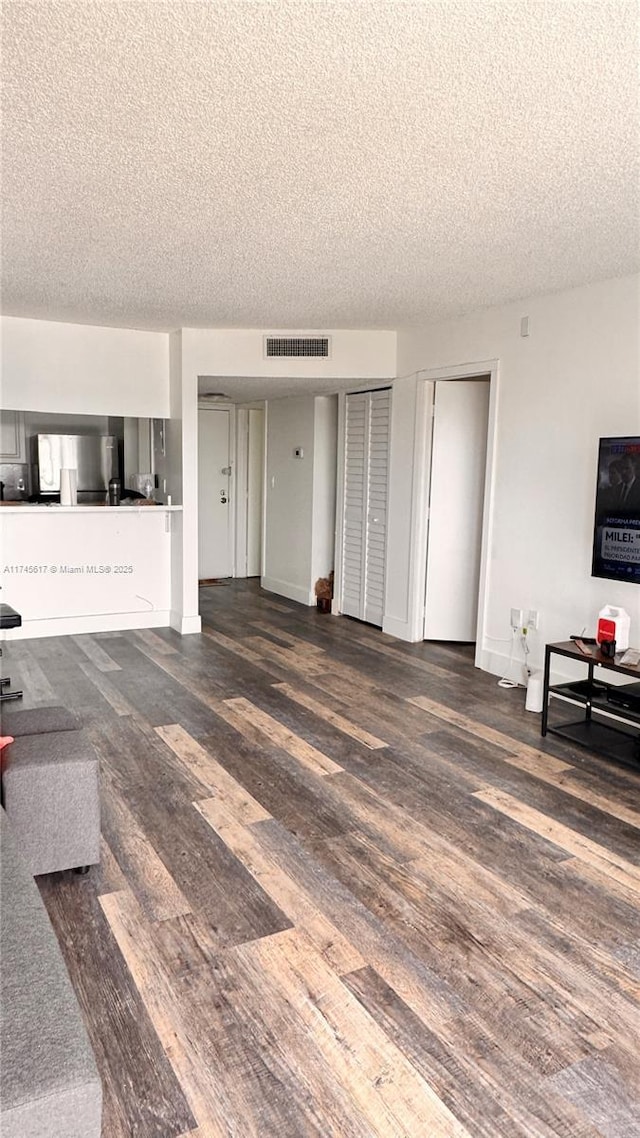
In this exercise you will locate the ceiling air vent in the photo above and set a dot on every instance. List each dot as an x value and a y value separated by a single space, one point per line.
317 346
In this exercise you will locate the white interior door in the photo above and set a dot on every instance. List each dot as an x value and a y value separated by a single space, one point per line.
355 498
456 501
366 477
214 511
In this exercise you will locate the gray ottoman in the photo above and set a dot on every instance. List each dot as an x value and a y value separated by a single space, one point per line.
49 1085
37 721
50 794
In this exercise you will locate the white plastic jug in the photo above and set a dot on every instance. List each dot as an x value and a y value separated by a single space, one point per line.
535 689
621 622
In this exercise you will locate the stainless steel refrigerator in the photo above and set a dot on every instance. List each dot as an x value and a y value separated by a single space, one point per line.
95 457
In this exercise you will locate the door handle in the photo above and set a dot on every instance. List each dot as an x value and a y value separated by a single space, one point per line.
223 498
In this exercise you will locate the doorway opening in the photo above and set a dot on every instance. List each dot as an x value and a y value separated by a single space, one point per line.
230 491
215 529
458 457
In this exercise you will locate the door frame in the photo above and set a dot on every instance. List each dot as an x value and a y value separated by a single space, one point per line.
419 528
204 405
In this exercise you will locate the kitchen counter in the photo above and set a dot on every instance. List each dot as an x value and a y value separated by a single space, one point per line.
92 507
93 568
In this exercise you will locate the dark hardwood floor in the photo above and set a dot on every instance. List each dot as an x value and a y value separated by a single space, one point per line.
346 889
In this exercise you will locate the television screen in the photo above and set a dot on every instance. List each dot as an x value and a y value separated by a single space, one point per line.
616 540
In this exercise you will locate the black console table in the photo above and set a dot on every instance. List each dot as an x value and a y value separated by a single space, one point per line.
609 720
9 618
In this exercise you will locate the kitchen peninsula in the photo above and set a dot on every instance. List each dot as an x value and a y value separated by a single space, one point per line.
86 568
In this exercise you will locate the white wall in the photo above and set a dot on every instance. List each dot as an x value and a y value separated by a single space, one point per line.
300 494
289 498
240 352
83 369
325 448
576 377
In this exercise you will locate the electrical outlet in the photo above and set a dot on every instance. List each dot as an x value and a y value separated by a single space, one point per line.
517 618
533 617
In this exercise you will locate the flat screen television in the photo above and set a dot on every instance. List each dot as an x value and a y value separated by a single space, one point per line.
616 538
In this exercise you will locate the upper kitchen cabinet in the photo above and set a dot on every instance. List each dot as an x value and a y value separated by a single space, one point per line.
13 441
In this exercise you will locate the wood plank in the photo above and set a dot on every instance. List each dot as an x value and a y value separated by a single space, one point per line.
140 764
141 1095
287 894
509 958
147 874
152 640
599 1092
325 712
418 985
389 1092
146 681
231 645
197 759
545 767
118 702
230 1071
217 886
561 835
291 660
303 646
108 876
298 748
476 1088
378 645
285 788
59 660
200 1086
97 655
276 606
33 679
518 754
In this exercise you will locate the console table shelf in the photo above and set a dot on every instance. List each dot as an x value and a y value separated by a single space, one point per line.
610 723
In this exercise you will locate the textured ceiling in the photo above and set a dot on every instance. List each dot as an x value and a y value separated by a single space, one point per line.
313 165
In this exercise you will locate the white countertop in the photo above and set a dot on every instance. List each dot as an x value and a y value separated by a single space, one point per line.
55 507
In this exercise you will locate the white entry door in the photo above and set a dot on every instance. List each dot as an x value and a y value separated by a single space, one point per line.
456 503
214 482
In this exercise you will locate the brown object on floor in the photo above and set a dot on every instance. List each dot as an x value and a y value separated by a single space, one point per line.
206 581
346 889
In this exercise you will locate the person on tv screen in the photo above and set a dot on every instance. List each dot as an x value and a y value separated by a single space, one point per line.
628 492
609 495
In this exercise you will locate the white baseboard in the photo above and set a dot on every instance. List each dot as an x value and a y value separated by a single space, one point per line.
77 625
291 592
185 625
497 663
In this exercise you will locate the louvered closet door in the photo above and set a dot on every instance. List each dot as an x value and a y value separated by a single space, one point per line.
365 504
